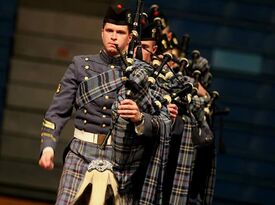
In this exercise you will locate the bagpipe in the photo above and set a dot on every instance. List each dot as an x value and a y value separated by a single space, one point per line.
128 148
135 32
182 84
175 86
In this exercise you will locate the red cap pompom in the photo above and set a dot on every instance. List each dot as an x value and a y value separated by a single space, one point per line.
156 13
119 6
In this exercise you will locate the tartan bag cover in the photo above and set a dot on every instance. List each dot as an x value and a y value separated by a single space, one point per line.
153 186
128 147
179 193
152 191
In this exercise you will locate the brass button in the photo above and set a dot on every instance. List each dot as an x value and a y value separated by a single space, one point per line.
86 78
104 108
85 121
87 67
104 116
85 111
106 97
112 66
86 59
103 125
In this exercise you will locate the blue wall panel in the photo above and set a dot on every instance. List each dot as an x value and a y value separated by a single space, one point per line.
251 90
6 28
250 145
241 193
244 166
235 10
8 9
7 25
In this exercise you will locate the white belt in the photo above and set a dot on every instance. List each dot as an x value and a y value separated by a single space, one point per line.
91 137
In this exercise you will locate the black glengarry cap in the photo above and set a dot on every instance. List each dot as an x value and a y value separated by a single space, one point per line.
148 32
117 14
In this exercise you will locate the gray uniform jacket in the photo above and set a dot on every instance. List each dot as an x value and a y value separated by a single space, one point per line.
94 116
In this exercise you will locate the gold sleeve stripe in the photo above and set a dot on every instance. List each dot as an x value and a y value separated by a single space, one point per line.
45 134
48 124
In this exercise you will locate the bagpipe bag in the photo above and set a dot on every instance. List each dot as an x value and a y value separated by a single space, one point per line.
128 147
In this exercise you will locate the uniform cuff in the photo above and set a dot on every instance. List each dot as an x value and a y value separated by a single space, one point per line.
139 129
48 149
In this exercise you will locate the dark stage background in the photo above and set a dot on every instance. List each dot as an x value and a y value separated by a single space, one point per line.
39 38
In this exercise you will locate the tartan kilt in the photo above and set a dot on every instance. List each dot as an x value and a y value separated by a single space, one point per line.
211 180
180 187
152 189
76 162
206 192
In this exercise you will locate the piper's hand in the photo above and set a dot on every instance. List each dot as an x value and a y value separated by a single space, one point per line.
46 160
173 110
129 110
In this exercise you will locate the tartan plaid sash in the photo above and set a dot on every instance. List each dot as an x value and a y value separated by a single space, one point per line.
97 86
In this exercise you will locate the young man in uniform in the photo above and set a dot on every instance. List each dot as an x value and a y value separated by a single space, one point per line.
90 87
